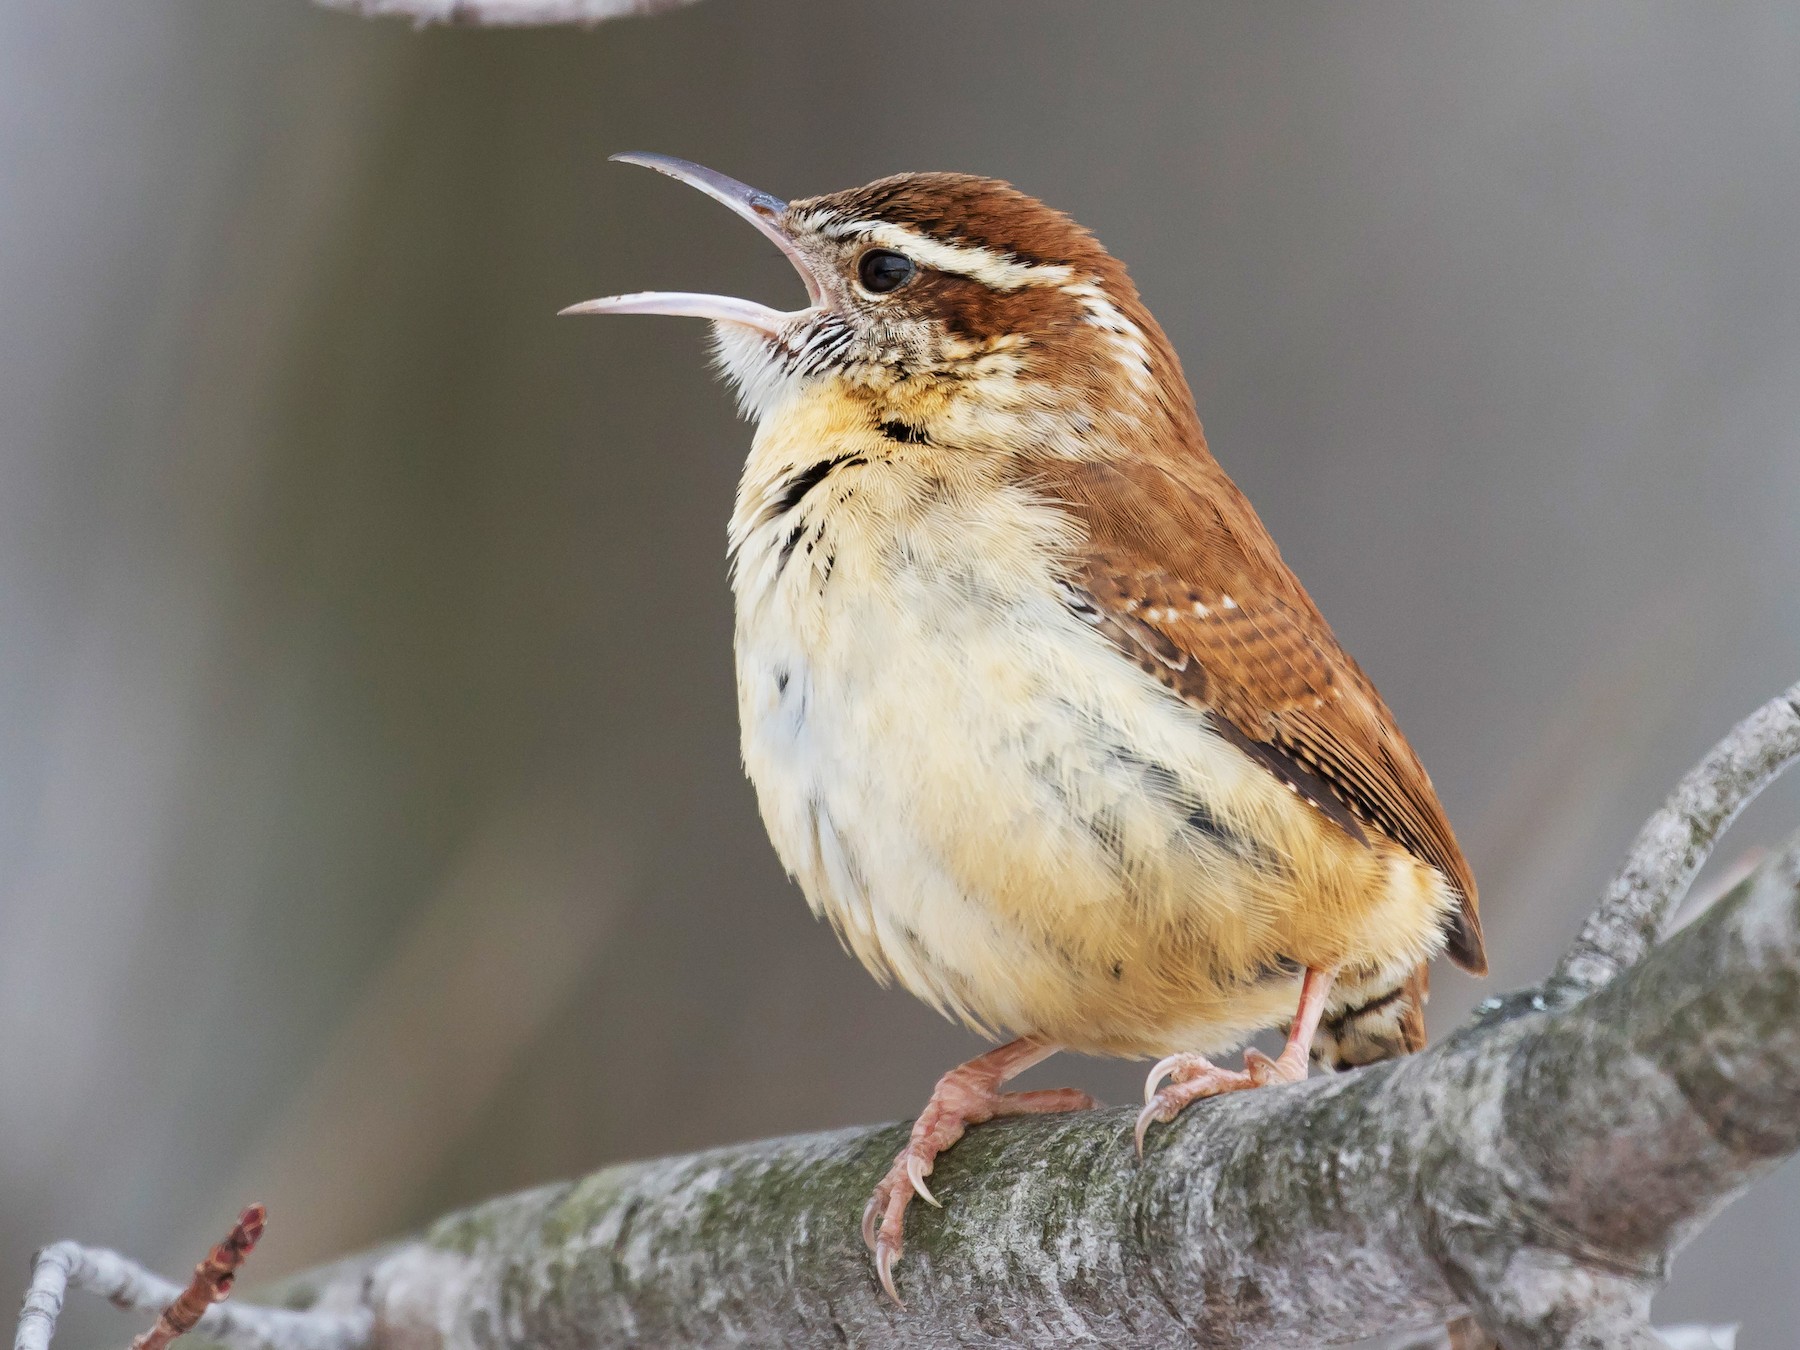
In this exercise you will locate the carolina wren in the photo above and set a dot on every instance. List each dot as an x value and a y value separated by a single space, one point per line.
1035 712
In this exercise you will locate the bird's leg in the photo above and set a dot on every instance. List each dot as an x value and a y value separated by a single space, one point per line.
968 1095
1194 1076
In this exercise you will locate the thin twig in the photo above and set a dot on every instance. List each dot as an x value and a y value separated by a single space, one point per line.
505 13
128 1285
211 1284
50 1273
1675 843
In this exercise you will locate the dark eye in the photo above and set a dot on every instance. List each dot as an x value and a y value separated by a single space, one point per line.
882 270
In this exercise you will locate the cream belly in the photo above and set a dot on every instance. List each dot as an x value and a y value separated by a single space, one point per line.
996 809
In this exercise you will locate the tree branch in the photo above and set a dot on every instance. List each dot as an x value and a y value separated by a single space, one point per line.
1537 1168
1675 843
504 13
1540 1171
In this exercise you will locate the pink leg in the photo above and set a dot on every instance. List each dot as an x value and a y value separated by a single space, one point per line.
1194 1076
968 1095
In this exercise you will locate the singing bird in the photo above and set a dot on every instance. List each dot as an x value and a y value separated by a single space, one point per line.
1035 712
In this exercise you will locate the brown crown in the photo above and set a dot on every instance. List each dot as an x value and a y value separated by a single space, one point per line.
961 208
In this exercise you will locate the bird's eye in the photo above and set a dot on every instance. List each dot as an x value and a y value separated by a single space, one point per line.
882 270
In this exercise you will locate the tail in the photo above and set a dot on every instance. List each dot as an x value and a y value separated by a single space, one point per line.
1368 1023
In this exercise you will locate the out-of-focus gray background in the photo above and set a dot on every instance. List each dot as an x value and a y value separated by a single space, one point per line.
372 837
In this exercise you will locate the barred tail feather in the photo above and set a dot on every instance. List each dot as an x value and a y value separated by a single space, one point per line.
1372 1022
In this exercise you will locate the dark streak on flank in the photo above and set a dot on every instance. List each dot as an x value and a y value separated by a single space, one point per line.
788 546
1162 782
1103 826
1201 820
1163 785
905 433
1108 831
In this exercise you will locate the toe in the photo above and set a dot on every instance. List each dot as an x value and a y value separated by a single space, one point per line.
1263 1071
1161 1109
1162 1069
872 1213
962 1098
885 1256
1192 1083
1044 1102
884 1217
889 1240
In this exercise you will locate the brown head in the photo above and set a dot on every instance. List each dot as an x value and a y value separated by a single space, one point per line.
936 285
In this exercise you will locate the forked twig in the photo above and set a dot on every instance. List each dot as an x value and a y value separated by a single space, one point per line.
129 1285
1675 843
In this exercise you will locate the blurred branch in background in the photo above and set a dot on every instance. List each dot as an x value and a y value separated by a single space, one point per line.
1538 1169
505 13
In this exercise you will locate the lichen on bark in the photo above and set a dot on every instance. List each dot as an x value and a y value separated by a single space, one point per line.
1538 1167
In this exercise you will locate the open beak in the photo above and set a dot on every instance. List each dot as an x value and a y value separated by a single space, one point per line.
761 210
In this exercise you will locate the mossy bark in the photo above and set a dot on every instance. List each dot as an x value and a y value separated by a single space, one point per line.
1538 1167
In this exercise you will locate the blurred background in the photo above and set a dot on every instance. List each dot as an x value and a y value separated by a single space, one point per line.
372 836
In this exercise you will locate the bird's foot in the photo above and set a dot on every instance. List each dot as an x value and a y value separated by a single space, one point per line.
1192 1077
967 1095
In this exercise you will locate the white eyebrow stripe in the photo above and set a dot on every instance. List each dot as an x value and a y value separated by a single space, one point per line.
1130 347
985 265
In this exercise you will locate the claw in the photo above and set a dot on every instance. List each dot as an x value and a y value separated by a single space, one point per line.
915 1173
1162 1069
884 1268
1145 1116
877 1203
